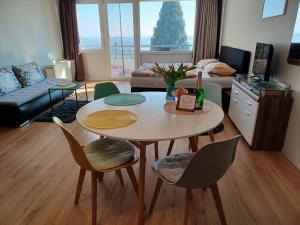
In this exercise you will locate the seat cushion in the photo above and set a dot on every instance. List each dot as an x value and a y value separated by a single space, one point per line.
8 81
107 153
171 167
24 95
29 74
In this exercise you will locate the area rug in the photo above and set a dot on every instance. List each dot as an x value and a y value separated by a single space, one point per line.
66 112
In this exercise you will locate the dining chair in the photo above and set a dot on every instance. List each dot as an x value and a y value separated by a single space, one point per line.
98 157
202 169
212 92
105 89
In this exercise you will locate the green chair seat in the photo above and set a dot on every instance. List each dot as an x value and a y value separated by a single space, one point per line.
106 153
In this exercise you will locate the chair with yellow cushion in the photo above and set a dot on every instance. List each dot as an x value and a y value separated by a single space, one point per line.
98 157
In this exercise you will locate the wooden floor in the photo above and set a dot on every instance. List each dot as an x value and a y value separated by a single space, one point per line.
38 177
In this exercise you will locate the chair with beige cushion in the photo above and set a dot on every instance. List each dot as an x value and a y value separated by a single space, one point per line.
202 169
98 157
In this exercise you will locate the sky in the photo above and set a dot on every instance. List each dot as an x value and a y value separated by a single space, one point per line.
88 18
273 8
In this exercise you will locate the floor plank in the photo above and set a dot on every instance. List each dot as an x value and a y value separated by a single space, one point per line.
38 177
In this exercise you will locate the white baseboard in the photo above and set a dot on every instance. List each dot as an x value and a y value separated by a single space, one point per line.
292 159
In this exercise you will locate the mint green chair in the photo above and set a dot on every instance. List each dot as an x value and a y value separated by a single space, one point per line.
212 92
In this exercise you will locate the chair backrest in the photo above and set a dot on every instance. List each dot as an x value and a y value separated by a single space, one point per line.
209 164
213 92
105 89
76 149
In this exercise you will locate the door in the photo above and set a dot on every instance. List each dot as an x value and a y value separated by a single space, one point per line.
121 38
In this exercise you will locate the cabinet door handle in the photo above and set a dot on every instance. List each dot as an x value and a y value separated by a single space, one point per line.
236 91
235 100
248 102
247 112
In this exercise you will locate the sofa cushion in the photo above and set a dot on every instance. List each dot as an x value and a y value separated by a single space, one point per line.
24 95
8 81
29 74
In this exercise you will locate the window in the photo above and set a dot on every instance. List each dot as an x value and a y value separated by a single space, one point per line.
168 26
89 26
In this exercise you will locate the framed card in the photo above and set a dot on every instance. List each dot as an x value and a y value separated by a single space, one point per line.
186 102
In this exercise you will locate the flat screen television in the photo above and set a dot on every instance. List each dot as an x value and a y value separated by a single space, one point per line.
262 61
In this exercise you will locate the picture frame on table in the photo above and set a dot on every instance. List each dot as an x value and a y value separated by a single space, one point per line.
186 102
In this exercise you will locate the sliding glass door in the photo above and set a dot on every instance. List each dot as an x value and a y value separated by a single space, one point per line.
121 38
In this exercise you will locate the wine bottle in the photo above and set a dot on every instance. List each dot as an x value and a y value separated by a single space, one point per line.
199 93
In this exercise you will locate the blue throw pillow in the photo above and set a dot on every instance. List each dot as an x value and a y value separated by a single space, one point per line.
8 81
29 74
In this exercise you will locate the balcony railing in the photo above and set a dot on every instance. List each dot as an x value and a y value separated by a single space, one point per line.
117 50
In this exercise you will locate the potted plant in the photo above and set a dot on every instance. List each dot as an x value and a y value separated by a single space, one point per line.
171 76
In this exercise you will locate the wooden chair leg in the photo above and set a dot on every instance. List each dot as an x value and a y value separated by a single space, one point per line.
211 135
170 147
156 150
100 177
218 201
196 141
133 180
187 206
94 198
155 194
119 174
79 185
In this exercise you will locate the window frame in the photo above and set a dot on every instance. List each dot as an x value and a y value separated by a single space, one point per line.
95 50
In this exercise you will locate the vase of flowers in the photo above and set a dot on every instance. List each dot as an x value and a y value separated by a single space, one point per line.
171 76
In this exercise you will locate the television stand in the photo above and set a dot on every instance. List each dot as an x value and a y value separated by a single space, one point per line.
261 113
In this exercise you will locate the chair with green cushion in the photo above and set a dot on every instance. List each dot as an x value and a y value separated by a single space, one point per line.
105 89
202 169
98 157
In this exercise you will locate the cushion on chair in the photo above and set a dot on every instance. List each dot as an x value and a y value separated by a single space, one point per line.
171 167
29 74
8 81
107 153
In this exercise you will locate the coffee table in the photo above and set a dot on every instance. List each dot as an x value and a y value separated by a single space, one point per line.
74 88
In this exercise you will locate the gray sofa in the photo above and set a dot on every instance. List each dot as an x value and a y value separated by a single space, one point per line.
24 102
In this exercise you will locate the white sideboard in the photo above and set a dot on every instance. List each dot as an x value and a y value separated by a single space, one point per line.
262 120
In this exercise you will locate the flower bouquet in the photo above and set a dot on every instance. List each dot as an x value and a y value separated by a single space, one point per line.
171 76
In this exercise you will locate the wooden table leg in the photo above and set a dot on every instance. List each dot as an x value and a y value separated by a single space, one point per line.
142 171
193 143
211 135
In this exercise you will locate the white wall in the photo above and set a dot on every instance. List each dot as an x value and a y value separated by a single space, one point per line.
243 27
29 30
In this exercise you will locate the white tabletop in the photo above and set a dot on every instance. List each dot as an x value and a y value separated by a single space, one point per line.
154 123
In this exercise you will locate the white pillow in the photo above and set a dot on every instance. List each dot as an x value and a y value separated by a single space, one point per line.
202 63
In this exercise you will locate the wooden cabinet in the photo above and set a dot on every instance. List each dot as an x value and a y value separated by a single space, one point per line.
262 121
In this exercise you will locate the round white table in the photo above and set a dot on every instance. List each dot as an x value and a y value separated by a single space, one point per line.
154 124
